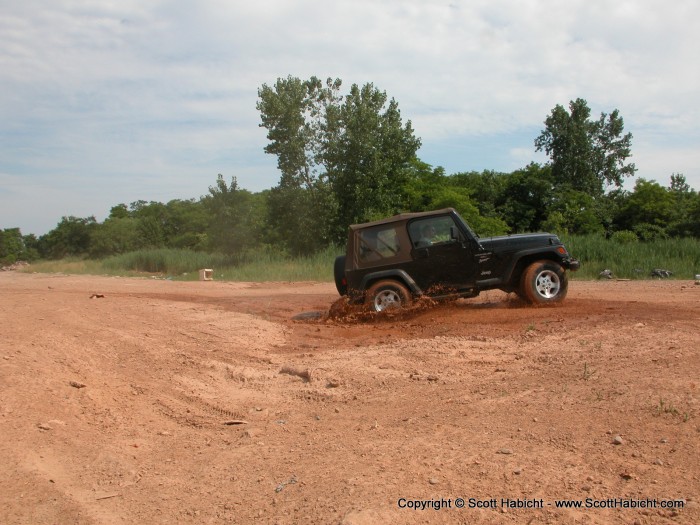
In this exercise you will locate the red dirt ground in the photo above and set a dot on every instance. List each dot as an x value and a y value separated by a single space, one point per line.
148 401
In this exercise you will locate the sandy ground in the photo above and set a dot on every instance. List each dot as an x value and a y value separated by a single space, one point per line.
147 401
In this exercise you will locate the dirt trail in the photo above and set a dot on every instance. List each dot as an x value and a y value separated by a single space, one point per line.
204 402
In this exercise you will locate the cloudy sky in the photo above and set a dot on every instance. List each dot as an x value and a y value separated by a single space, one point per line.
111 101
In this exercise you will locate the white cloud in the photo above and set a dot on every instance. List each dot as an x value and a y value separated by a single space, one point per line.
150 100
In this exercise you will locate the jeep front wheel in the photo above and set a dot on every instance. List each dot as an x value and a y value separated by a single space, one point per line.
387 295
544 282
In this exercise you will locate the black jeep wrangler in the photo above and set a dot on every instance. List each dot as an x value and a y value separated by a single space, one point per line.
389 263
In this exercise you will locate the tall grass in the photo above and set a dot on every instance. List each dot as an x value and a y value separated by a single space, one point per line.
634 260
167 261
268 266
263 264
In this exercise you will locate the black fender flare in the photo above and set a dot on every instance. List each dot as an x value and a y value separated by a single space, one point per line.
398 275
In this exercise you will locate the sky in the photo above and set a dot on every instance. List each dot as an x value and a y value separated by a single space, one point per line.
105 102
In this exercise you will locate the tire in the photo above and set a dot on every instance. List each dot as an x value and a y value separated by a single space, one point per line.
543 282
387 295
339 275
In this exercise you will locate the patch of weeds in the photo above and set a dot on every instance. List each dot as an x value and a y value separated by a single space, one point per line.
530 327
587 372
665 407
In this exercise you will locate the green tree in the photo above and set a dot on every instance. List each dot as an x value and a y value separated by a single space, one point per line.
486 189
430 189
12 246
114 236
649 208
342 160
177 224
586 155
293 112
186 223
681 224
71 236
300 208
367 151
527 197
237 218
294 225
574 212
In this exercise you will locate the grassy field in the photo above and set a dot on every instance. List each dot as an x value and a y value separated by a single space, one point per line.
633 260
184 265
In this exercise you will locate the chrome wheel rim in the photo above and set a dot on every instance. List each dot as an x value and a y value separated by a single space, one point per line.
547 284
386 299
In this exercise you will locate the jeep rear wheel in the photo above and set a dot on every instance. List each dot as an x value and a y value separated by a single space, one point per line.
544 282
339 275
387 295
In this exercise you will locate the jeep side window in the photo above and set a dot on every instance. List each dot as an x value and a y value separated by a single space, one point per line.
431 231
378 243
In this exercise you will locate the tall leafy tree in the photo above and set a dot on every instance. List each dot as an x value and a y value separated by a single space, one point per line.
586 155
349 156
367 152
294 113
236 218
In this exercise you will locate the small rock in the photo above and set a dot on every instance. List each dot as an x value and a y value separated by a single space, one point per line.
76 384
518 471
504 451
657 461
617 440
433 481
44 426
664 440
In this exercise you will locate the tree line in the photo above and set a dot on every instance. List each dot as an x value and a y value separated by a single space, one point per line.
350 159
